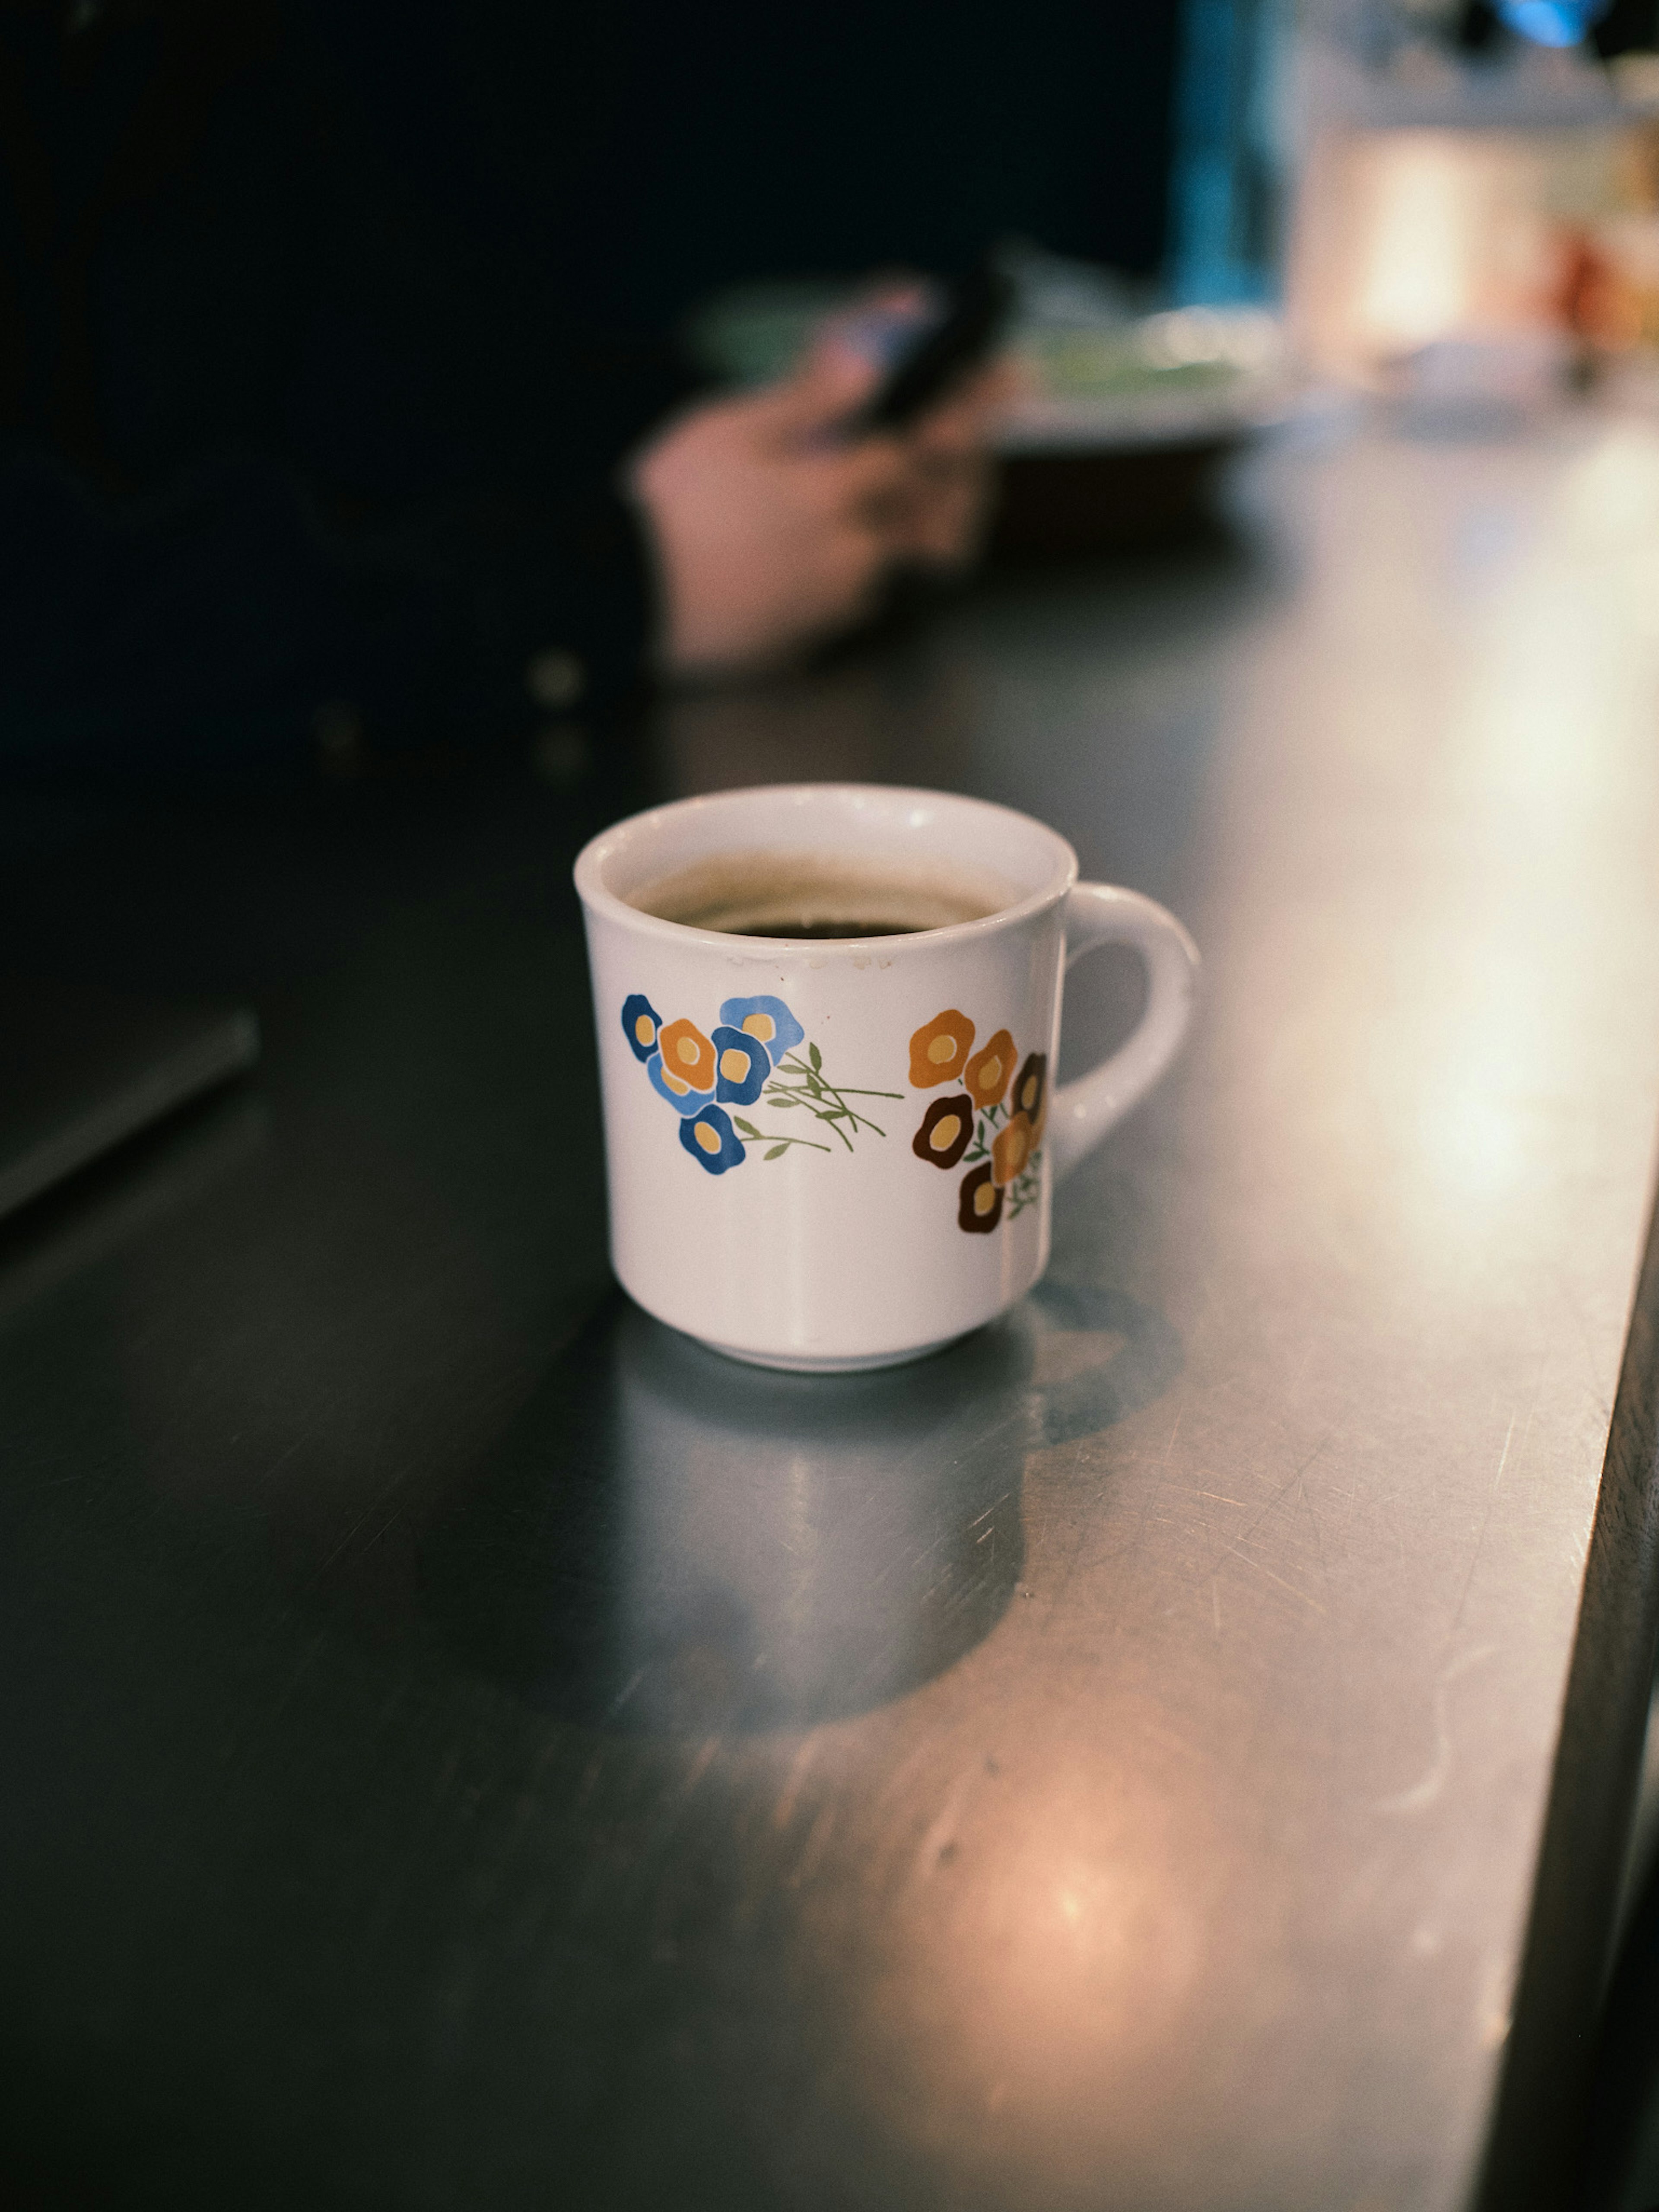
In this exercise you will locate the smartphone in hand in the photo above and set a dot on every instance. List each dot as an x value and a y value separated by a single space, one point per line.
933 354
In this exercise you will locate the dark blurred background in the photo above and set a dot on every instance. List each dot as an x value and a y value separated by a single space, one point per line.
652 152
325 327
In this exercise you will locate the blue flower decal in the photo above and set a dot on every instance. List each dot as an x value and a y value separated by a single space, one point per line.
712 1141
680 1095
767 1019
640 1022
690 1070
742 1066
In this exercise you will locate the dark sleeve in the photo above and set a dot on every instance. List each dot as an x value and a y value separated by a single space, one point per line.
333 463
225 619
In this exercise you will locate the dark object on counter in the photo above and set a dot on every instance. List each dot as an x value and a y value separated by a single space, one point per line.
1067 503
1629 26
82 1071
1479 30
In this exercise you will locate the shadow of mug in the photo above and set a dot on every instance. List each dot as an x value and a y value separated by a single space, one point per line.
666 1541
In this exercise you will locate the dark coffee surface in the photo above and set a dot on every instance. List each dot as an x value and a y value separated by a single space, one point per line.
827 929
822 895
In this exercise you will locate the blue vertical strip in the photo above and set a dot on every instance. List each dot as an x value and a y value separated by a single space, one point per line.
1223 189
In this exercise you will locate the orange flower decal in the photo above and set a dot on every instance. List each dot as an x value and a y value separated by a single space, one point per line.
1031 1091
688 1054
981 1206
946 1130
938 1048
987 1074
1010 1149
993 1126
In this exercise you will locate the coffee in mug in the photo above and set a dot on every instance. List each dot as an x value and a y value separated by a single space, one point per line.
820 895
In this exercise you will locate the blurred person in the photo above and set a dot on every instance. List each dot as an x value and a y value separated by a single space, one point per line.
289 455
772 532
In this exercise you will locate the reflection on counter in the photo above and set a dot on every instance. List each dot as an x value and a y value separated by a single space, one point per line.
666 1540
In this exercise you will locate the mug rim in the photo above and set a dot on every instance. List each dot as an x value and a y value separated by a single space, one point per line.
598 899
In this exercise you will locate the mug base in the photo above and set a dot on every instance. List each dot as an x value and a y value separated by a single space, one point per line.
802 1363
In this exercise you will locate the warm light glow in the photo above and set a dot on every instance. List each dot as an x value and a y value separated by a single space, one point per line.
1058 1948
1498 647
1418 263
1404 237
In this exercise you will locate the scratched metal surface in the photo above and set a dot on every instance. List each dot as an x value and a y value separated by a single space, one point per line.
465 1746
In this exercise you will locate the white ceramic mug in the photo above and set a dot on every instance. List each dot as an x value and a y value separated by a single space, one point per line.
840 1153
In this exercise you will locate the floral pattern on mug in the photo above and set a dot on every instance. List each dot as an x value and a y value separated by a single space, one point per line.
688 1054
987 1074
1031 1090
712 1141
1004 1127
641 1023
768 1021
979 1206
938 1048
751 1060
1011 1148
742 1066
680 1096
946 1131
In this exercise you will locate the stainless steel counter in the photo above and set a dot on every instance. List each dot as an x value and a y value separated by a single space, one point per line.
468 1746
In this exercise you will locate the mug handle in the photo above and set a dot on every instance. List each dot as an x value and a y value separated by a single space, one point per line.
1098 913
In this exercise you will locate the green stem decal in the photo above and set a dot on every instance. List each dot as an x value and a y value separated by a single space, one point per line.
798 1083
1023 1191
751 1135
825 1101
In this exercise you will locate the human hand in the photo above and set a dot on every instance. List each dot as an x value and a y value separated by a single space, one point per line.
773 532
939 522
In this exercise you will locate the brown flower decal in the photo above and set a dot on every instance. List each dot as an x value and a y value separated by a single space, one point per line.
946 1128
1031 1090
987 1074
1011 1148
981 1203
938 1048
687 1054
